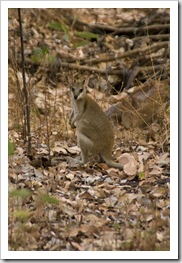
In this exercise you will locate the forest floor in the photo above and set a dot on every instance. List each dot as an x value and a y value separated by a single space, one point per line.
55 205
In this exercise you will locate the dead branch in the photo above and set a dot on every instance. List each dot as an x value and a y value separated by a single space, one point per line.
129 29
88 68
161 36
128 53
109 71
124 30
136 70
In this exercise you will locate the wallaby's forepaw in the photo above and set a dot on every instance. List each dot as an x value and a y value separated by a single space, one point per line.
73 126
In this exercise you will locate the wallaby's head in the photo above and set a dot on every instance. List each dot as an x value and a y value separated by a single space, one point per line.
78 91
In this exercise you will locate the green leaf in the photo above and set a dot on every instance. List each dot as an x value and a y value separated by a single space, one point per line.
20 193
35 58
117 226
49 199
45 50
22 215
141 175
81 43
58 26
55 25
87 35
11 148
51 59
65 28
39 53
66 38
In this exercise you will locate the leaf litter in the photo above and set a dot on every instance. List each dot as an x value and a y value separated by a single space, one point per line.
92 207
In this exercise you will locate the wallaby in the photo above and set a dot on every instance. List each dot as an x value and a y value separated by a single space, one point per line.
93 128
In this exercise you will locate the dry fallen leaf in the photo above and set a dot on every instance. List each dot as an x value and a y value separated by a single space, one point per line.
87 195
74 150
70 176
160 236
130 169
129 163
58 149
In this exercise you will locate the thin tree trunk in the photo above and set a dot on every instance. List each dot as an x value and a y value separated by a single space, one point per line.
26 99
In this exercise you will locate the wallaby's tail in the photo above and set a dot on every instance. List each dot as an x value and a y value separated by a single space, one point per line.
111 163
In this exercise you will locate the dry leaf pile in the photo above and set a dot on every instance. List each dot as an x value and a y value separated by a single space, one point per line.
58 205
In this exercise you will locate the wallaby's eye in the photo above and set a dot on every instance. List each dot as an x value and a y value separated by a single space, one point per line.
81 90
72 89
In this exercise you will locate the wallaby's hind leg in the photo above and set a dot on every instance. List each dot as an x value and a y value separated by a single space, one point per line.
85 144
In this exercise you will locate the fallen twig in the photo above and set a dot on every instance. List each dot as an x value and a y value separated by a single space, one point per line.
161 36
128 53
108 71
